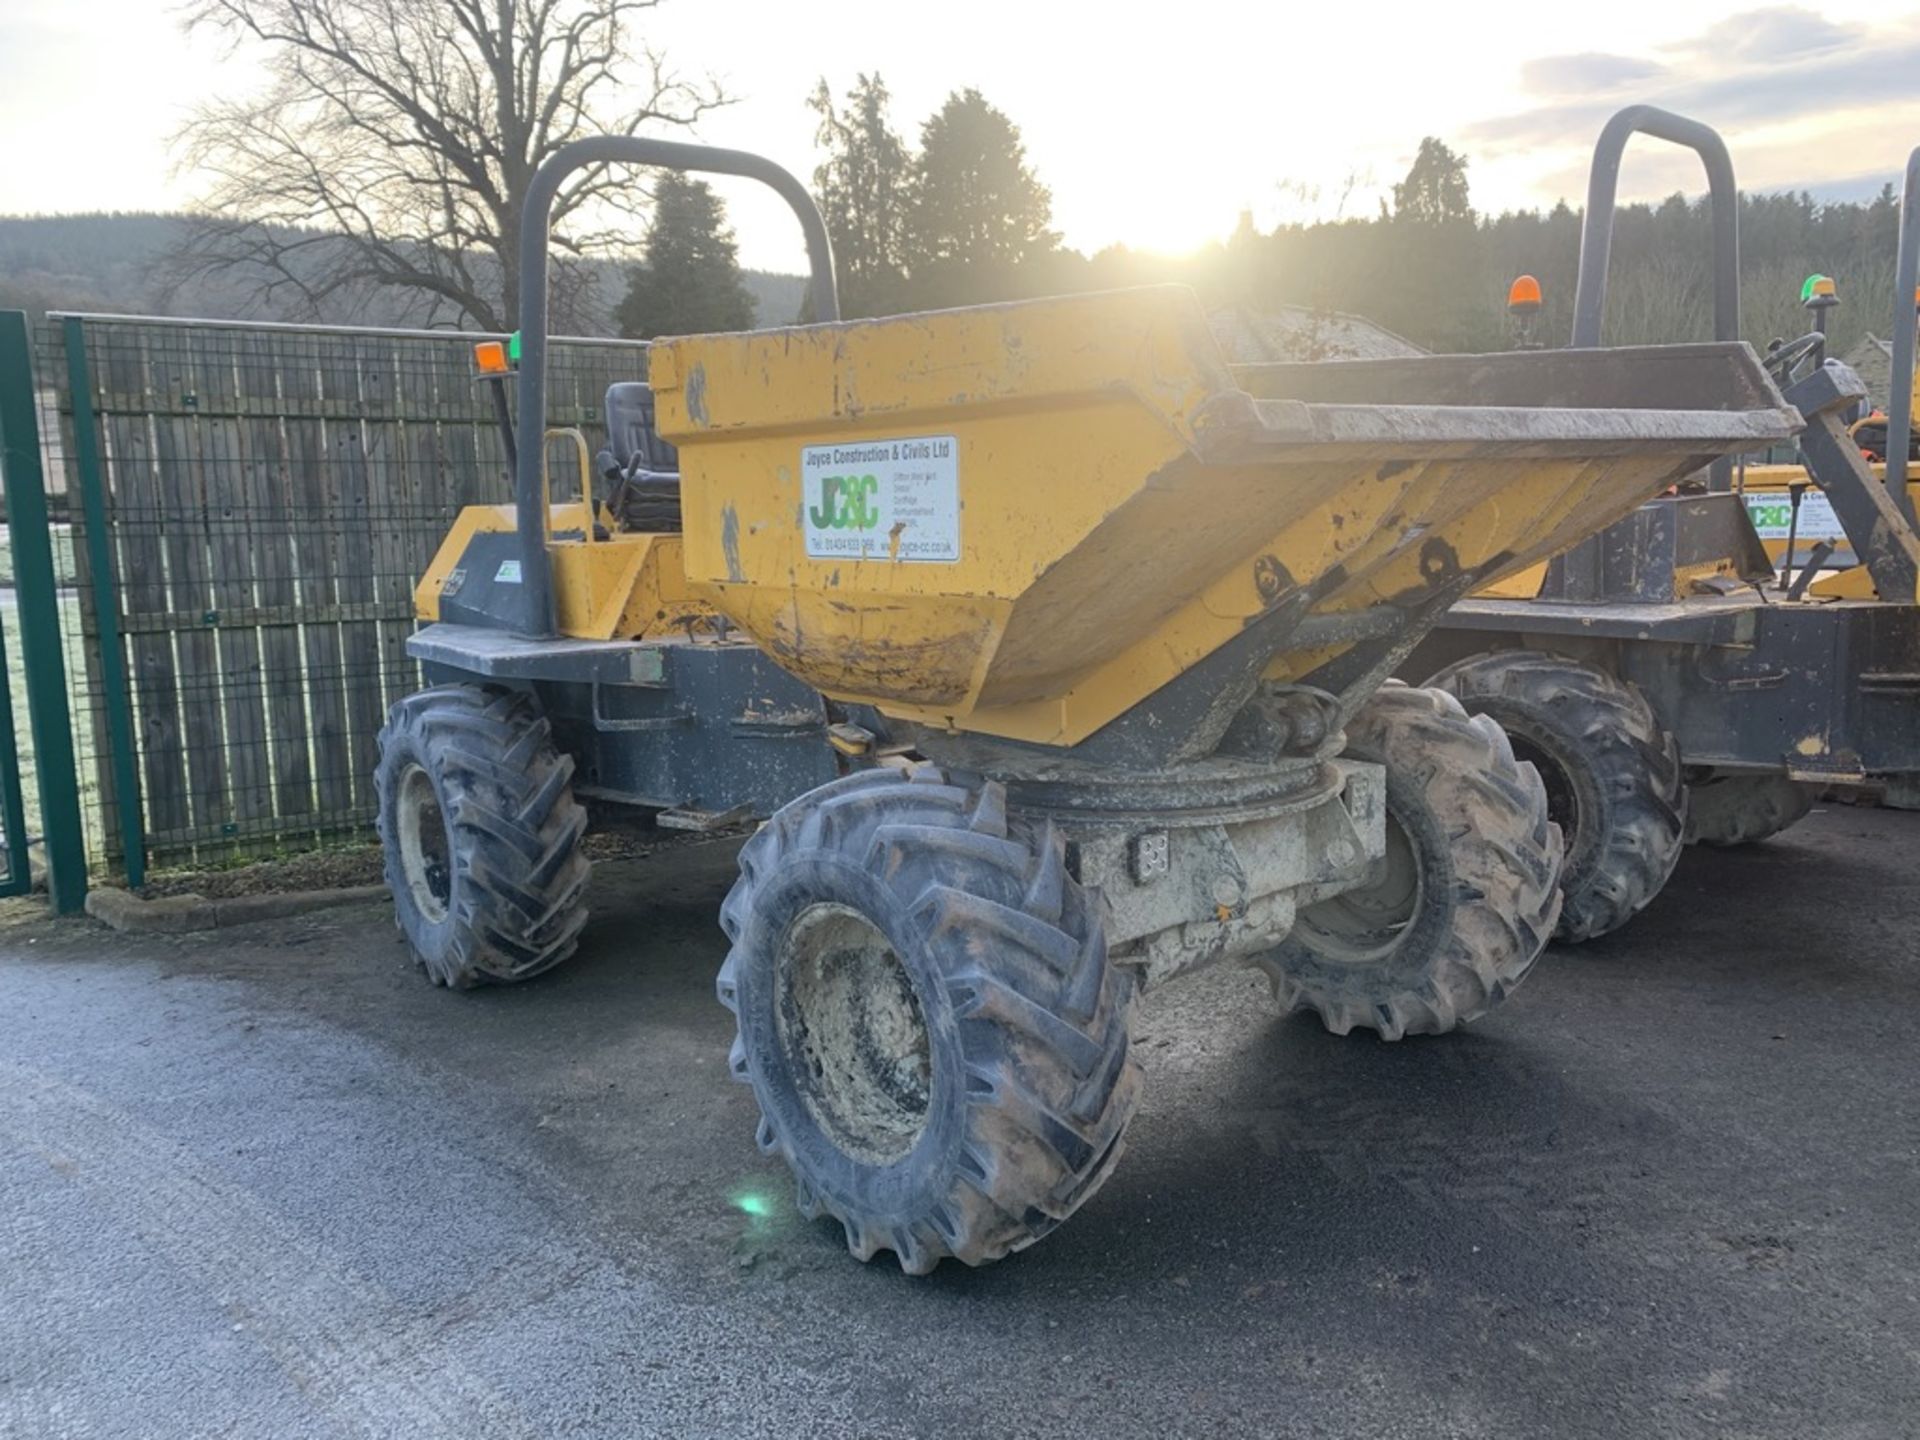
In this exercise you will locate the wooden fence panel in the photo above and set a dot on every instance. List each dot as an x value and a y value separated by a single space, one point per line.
272 493
134 520
309 389
359 456
269 475
181 466
234 562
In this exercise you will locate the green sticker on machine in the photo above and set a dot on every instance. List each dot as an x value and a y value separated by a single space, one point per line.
882 499
1772 516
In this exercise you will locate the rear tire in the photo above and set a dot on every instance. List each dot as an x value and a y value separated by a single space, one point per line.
481 834
1456 914
1729 809
927 1017
1612 774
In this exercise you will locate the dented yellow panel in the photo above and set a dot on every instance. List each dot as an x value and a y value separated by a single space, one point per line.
625 587
659 603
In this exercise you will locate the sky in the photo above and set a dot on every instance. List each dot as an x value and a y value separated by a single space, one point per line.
1154 126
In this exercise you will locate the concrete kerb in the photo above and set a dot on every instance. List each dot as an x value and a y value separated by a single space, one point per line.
183 914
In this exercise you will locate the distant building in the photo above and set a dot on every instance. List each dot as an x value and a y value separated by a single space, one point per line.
1872 361
1293 332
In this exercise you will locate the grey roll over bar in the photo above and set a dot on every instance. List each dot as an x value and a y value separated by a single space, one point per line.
1906 279
1596 230
537 616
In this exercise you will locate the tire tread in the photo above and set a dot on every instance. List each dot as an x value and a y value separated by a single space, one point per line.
1633 763
519 899
1051 1079
1506 858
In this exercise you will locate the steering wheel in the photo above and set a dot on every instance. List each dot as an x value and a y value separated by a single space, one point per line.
1780 363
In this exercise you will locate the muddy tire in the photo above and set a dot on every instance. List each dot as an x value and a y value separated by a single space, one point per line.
1612 772
481 834
1461 906
927 1017
1728 809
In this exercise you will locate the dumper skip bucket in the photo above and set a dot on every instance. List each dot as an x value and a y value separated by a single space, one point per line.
1024 520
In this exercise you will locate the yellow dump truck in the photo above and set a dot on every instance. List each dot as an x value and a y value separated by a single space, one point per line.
1669 682
1052 650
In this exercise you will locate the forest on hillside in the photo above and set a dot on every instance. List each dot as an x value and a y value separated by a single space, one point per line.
1427 266
126 264
1443 283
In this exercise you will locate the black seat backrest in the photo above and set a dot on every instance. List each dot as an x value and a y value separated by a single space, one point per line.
642 471
631 436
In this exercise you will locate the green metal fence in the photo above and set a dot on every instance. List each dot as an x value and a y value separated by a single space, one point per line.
43 666
216 583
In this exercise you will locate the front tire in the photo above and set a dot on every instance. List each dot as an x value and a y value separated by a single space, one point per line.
481 835
927 1017
1462 904
1611 769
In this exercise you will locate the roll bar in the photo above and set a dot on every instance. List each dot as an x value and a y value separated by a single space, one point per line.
1906 279
1596 232
537 615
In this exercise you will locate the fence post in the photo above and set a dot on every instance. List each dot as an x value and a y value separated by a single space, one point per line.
39 603
106 604
12 804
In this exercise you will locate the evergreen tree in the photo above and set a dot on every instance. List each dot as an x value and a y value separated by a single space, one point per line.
1434 256
863 188
980 222
689 281
1435 190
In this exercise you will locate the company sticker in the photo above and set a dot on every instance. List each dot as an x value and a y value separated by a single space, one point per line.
882 499
1772 516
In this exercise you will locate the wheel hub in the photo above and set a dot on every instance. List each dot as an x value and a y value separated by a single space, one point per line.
854 1034
424 846
1563 796
1365 923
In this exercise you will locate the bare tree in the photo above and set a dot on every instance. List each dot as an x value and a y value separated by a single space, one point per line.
394 146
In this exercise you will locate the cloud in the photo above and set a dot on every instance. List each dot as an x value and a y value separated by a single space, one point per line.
1843 189
1579 74
1780 32
1765 66
1657 170
1853 157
